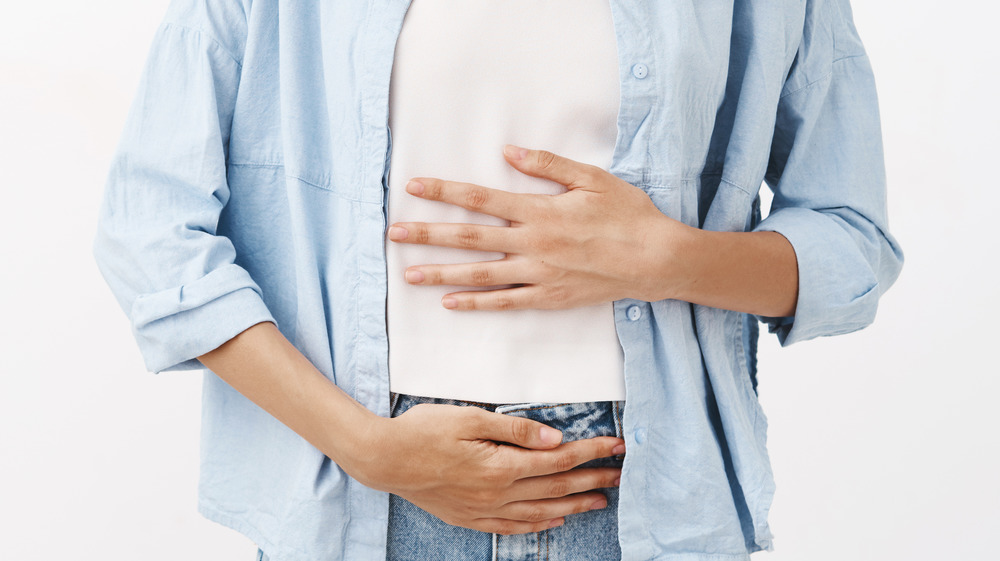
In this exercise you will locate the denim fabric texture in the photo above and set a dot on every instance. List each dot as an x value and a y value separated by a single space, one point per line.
592 536
249 185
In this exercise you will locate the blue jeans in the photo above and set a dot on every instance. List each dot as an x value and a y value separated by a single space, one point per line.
415 535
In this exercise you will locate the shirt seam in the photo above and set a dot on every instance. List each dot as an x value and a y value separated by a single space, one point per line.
325 187
257 164
738 186
821 78
208 36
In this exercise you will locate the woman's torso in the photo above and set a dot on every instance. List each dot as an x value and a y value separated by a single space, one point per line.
467 78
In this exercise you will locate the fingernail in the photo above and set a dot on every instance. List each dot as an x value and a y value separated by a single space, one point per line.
449 303
617 450
550 435
398 233
599 504
557 522
413 276
415 187
515 152
617 482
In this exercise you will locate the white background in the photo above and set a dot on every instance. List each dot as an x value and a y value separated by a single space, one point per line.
884 442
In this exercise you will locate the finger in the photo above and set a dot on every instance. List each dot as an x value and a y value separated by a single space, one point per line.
496 300
483 273
495 202
567 483
462 236
514 430
548 509
565 457
545 164
509 527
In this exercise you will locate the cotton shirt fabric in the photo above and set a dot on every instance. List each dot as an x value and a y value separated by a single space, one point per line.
250 185
464 82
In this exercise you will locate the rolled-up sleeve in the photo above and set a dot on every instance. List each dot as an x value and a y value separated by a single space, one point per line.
156 244
827 173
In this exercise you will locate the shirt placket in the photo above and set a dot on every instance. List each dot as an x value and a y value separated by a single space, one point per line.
369 510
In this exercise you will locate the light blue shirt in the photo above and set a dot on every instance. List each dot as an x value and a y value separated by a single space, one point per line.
249 186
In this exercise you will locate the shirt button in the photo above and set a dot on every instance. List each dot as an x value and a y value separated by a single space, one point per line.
639 70
640 435
634 313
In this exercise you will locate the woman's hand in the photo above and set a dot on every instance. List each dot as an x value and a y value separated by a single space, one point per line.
445 459
589 245
482 470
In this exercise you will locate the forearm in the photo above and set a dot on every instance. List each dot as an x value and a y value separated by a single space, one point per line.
753 272
264 366
447 460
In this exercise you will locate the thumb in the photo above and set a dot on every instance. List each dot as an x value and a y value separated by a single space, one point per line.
515 430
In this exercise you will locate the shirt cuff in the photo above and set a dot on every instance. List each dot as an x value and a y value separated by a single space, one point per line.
175 326
838 289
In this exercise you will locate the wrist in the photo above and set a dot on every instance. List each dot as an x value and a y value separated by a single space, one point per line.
352 437
667 260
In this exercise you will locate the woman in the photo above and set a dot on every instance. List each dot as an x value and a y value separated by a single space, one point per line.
618 238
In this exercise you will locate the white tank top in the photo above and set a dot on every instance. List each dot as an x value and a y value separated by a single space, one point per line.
468 77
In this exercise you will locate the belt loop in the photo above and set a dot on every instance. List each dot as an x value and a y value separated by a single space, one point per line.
393 401
618 410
